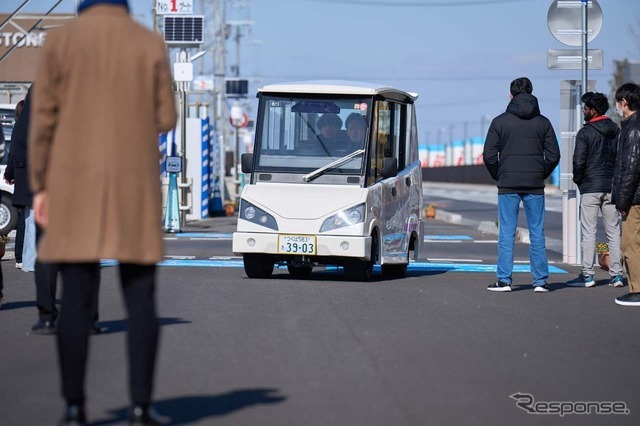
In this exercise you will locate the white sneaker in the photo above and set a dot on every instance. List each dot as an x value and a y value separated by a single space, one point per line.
18 265
542 289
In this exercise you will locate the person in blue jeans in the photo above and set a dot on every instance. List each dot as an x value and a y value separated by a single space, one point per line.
520 152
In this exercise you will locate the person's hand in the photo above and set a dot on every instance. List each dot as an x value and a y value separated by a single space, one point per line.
623 213
9 182
41 208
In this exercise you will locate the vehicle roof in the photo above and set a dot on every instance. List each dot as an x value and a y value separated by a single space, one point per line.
337 87
8 106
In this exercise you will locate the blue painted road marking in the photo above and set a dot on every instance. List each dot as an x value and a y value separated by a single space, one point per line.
200 235
446 237
414 266
220 236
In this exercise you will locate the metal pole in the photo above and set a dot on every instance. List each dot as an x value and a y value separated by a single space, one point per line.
584 88
183 149
585 43
236 172
154 14
184 96
237 52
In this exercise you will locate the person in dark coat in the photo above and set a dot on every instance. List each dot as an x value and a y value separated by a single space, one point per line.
9 179
625 192
46 273
594 158
520 152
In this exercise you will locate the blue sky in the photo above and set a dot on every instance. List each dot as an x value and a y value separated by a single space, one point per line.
459 58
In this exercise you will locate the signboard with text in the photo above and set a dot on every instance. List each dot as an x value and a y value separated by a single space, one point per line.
167 7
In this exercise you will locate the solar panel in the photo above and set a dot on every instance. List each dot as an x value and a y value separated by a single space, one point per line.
185 30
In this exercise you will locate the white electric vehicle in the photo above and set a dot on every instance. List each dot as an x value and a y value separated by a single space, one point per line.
316 198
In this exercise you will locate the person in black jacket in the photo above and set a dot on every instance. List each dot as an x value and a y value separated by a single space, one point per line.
625 192
520 152
46 274
594 158
9 179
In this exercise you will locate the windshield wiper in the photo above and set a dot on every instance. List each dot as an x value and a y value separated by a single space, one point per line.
340 161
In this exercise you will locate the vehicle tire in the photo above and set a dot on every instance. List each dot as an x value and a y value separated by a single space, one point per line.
8 214
398 270
299 271
258 265
361 270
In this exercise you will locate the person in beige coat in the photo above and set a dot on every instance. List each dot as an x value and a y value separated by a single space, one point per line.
102 95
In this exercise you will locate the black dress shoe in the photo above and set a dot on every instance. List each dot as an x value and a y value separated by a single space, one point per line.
74 416
44 327
147 416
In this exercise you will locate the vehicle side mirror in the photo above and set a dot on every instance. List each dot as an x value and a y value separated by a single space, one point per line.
389 167
246 161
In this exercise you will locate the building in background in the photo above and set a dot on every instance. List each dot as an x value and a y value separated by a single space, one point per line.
19 51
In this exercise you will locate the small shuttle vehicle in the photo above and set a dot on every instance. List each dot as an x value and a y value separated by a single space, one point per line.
335 180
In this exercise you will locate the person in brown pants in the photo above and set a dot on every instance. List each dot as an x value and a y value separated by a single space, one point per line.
625 193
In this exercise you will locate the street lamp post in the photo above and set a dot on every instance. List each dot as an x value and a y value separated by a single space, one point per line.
237 117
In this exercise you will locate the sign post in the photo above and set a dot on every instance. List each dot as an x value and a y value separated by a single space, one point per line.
571 24
238 119
172 211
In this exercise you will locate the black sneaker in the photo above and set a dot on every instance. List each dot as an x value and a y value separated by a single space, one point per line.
499 286
544 288
44 328
629 299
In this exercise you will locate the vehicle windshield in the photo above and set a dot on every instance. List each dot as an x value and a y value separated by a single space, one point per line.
301 134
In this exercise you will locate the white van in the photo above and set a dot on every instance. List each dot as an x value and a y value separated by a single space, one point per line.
8 213
322 195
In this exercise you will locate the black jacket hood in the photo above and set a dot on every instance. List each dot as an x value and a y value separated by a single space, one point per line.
524 106
606 128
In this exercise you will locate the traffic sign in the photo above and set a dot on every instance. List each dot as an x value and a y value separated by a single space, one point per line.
571 59
239 123
564 19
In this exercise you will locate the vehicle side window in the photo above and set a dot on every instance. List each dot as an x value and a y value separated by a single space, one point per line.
412 152
397 149
380 142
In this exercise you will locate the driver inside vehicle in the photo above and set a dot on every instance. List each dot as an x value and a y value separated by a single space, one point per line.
333 140
329 125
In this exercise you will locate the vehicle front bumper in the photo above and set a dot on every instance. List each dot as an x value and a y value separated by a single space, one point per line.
327 245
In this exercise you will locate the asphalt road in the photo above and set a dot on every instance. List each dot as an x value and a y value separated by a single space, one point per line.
434 348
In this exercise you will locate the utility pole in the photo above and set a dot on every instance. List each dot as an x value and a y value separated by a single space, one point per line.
585 56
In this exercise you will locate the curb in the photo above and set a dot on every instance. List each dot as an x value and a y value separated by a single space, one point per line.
488 227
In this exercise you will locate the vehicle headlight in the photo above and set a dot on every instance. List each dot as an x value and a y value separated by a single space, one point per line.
250 212
346 217
256 215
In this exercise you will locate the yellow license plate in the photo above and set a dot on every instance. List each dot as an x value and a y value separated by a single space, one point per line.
297 244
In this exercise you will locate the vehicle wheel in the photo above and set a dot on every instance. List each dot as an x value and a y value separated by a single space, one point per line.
361 270
258 265
299 271
8 215
394 271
